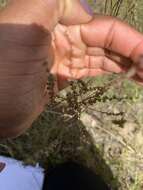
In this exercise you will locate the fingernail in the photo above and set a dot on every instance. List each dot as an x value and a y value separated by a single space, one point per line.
87 7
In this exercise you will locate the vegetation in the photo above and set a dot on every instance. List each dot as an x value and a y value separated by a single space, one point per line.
93 121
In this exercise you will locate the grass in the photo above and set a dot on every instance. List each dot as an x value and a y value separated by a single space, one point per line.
105 133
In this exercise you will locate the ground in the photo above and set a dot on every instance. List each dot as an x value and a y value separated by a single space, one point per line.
92 122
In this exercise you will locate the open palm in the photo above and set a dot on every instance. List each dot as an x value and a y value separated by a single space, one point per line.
92 49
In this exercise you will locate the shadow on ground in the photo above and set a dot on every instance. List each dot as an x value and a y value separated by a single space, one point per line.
54 140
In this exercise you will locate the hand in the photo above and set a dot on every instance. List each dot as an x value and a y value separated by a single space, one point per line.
104 45
25 44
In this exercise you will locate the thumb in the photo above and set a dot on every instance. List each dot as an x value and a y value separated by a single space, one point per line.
76 12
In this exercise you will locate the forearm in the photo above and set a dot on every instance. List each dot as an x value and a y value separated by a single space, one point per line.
46 13
24 47
42 12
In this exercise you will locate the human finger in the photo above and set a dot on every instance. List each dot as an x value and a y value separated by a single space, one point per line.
115 35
